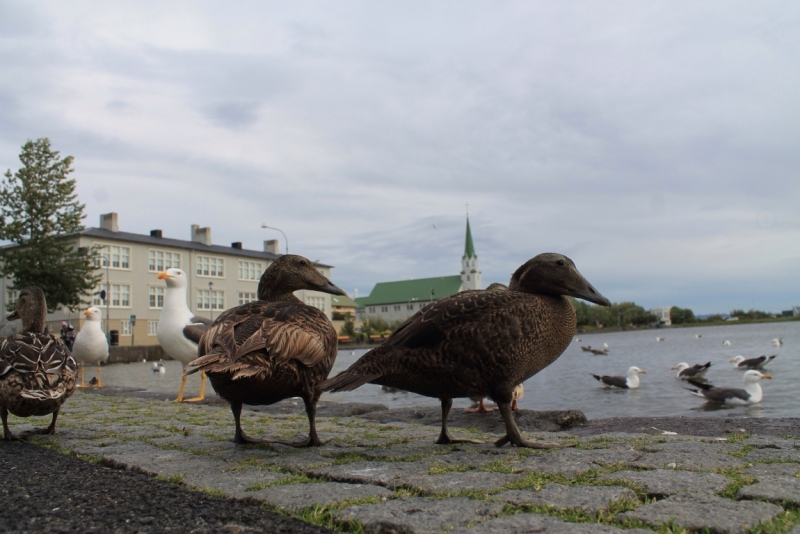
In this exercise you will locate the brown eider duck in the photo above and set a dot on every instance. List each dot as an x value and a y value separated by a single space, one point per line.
480 343
37 373
274 348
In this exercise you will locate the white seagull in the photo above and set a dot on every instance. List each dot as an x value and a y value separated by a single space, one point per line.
685 371
91 345
752 363
777 342
727 343
179 330
624 382
751 394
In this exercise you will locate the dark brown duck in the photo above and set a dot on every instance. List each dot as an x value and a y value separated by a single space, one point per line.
274 348
480 343
37 373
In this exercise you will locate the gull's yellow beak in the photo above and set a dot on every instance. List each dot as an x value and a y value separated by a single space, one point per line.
163 275
767 376
731 361
673 367
643 371
87 313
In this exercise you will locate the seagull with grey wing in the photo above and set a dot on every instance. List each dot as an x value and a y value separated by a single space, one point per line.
623 382
751 394
179 330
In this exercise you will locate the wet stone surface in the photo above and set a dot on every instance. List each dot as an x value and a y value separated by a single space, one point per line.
385 473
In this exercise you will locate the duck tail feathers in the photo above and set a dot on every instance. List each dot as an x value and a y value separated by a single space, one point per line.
199 364
695 392
596 377
346 381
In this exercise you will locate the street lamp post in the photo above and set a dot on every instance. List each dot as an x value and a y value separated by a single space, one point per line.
107 258
264 225
210 306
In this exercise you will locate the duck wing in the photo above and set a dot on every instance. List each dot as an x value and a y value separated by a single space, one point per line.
426 332
41 361
271 333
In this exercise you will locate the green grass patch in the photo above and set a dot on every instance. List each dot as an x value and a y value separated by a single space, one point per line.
497 466
440 469
294 479
782 524
172 479
741 453
738 436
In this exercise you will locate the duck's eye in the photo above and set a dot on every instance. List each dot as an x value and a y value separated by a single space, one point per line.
303 262
561 262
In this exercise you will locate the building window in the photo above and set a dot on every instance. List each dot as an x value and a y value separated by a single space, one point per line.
372 309
317 302
396 307
158 260
96 300
152 328
244 298
156 297
120 296
13 295
385 309
467 278
249 270
409 306
210 300
209 266
120 257
124 328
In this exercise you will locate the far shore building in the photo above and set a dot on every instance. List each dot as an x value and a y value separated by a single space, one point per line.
397 301
220 277
662 313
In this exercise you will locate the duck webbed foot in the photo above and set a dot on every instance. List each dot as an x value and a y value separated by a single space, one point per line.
513 435
444 435
7 435
308 441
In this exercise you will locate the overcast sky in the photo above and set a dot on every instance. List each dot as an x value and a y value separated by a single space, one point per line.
657 144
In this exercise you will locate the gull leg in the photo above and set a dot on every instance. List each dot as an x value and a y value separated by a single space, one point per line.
480 409
179 398
99 382
83 383
202 394
513 435
444 435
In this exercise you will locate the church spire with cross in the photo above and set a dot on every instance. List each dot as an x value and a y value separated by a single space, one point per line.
470 269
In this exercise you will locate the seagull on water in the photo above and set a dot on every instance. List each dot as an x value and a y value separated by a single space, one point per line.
624 382
751 394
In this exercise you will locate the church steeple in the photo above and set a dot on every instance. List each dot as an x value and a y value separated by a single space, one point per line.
470 270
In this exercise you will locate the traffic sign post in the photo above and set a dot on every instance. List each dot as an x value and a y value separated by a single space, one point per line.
133 330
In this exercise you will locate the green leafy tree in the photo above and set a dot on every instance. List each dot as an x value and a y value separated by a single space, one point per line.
348 328
39 209
681 315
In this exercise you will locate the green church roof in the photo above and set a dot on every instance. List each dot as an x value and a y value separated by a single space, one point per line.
408 290
469 248
343 301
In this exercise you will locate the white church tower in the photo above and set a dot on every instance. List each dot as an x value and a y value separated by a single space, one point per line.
470 270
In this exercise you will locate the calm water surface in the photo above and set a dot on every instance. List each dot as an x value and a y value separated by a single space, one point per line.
567 382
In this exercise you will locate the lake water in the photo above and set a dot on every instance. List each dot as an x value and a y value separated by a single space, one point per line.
567 382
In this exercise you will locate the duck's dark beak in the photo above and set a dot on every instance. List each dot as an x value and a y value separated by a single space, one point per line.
330 287
588 292
13 317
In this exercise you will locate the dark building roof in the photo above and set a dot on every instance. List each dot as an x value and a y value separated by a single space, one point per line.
101 233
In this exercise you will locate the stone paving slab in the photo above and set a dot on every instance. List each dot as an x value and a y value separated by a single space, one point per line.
570 462
773 470
590 499
419 514
690 455
663 482
388 474
783 455
698 511
298 496
774 489
541 524
458 482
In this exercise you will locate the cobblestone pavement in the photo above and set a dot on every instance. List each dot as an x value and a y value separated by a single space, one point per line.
375 476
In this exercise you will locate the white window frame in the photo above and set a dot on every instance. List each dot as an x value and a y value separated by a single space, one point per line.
316 302
247 296
117 290
210 300
206 265
12 295
166 259
125 328
106 253
154 294
152 328
249 270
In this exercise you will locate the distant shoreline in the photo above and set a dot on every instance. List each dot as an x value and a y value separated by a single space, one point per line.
581 331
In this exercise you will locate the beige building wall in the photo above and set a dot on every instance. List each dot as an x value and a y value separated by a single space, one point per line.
139 277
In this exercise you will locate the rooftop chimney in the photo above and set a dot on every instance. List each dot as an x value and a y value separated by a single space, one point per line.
156 233
237 245
201 235
271 246
108 221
